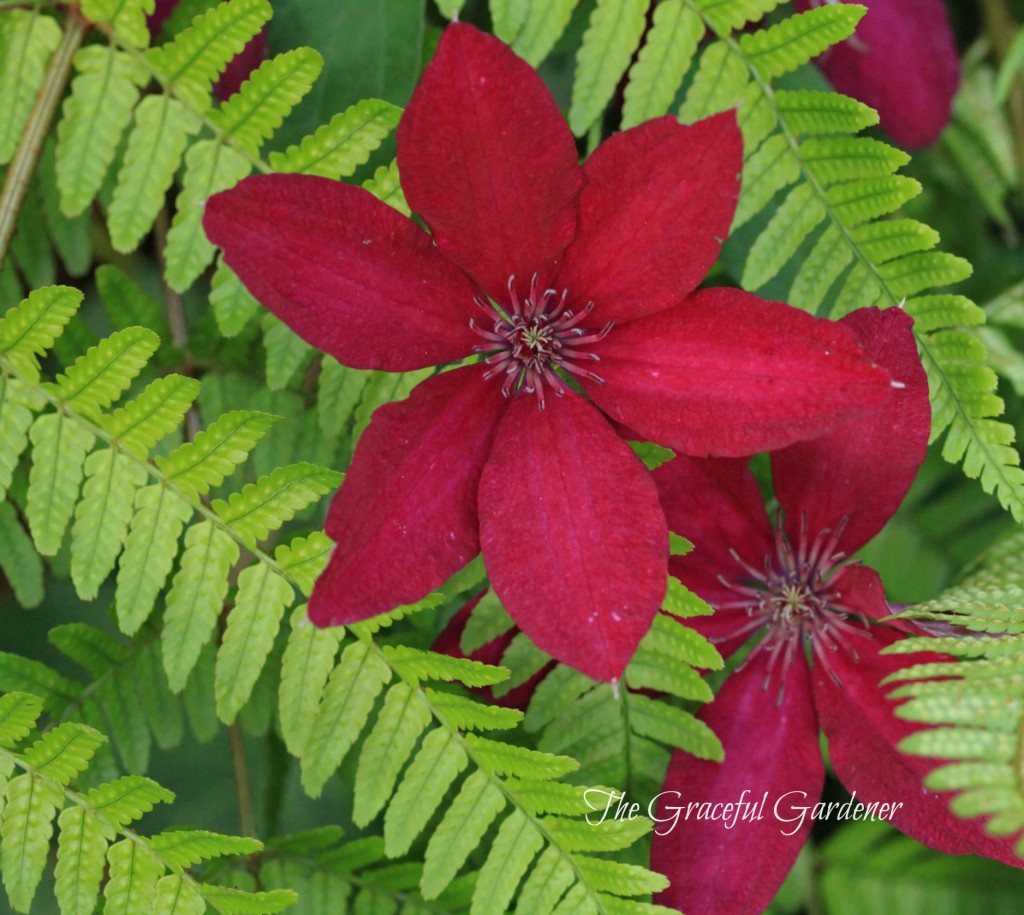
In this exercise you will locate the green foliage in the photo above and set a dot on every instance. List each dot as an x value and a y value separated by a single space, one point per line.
89 821
27 39
973 701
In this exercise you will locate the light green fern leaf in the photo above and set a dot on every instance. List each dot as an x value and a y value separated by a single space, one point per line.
401 720
662 63
543 24
197 56
132 879
507 18
516 845
210 167
795 40
19 560
488 620
153 415
176 896
28 330
59 447
198 465
771 168
155 146
239 902
727 16
31 804
102 517
576 835
808 111
263 597
15 420
196 599
414 664
718 85
608 45
285 352
188 847
339 390
27 39
496 758
257 110
18 715
674 727
127 17
103 374
463 826
63 752
548 879
431 773
307 663
95 116
81 859
829 257
338 148
265 505
233 304
385 186
462 714
620 879
304 558
350 694
149 553
800 213
832 159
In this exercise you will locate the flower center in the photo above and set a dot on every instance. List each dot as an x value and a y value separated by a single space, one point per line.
793 598
534 338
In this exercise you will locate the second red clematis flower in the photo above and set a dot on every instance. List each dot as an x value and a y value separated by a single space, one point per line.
903 62
576 287
795 590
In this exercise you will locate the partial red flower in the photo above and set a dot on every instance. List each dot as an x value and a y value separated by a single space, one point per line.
902 61
577 285
817 662
237 71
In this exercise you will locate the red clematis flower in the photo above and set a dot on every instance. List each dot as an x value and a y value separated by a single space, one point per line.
558 272
902 61
795 589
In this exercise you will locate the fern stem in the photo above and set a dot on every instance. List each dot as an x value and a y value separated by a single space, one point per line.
23 165
1001 27
243 784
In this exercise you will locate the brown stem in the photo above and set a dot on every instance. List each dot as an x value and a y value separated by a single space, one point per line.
23 165
1001 27
242 783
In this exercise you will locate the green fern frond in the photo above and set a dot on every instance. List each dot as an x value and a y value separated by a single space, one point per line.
197 56
196 599
286 351
210 167
95 116
257 110
608 45
542 24
157 412
156 144
263 596
29 329
233 304
19 560
662 63
307 663
386 187
798 39
126 17
338 148
27 39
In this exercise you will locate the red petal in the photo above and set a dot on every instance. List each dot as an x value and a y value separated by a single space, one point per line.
405 519
728 373
862 470
658 201
863 733
716 504
489 163
772 762
573 536
902 61
346 272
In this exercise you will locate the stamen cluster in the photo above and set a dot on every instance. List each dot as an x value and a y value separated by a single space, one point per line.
794 597
534 338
